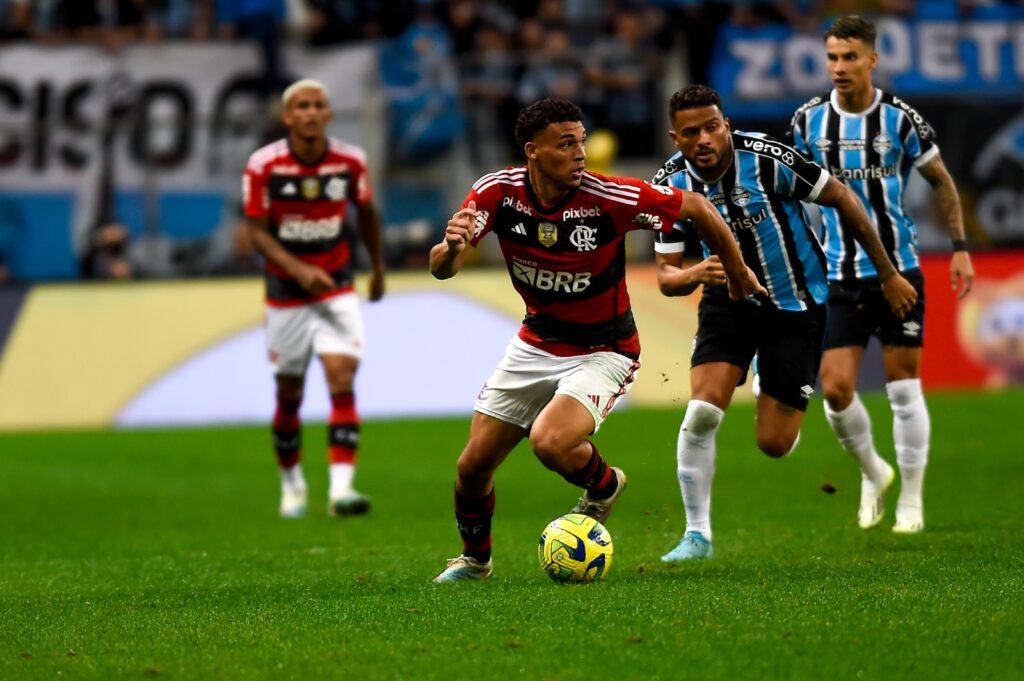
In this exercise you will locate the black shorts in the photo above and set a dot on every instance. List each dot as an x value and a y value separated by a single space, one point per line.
789 344
857 310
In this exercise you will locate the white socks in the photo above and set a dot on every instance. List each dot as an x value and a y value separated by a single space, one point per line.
853 428
695 458
911 430
341 479
292 481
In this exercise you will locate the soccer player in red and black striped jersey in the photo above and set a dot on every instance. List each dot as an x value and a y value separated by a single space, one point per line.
297 193
562 232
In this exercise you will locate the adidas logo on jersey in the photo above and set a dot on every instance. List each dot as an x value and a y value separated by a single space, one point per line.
288 190
519 229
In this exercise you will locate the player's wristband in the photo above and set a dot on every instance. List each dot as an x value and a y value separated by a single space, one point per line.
959 244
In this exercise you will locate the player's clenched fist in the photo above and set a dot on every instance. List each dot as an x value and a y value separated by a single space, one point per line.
460 228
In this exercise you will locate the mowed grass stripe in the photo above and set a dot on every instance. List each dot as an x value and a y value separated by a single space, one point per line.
126 554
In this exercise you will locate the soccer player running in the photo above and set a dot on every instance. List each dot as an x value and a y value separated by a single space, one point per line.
757 184
871 140
297 192
561 230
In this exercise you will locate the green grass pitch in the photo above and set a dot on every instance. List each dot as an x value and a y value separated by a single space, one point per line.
159 553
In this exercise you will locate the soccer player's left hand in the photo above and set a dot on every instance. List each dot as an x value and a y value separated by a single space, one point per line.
961 272
900 294
376 285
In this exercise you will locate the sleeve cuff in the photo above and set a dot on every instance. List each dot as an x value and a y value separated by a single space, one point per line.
818 186
926 156
671 247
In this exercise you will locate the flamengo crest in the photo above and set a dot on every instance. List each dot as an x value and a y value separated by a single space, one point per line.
584 238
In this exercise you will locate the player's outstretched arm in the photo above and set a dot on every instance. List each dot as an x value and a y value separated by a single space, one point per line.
446 257
961 270
713 230
314 279
369 233
677 279
899 292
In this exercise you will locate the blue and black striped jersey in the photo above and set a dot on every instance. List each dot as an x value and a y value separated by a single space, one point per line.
759 197
873 153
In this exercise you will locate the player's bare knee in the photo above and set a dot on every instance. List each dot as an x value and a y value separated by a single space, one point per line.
549 448
775 445
838 393
290 393
472 467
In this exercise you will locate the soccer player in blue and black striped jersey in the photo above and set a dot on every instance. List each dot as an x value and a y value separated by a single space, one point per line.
757 184
871 140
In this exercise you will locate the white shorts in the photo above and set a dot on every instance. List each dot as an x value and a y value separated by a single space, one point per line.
527 378
329 327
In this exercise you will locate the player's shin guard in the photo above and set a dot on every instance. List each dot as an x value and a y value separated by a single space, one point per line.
597 477
911 430
695 457
287 432
473 517
343 429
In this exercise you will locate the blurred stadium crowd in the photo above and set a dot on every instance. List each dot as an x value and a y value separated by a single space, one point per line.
474 62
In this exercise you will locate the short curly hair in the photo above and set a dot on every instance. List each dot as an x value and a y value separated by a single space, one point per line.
693 97
539 115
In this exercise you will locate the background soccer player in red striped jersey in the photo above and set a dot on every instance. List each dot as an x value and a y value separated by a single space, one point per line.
562 232
298 191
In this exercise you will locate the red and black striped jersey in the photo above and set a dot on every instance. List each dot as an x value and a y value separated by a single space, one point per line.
567 261
305 206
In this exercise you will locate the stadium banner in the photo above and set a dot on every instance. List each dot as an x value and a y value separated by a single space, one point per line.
188 353
155 136
769 71
977 341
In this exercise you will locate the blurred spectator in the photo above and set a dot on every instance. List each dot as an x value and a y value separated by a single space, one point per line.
179 19
422 90
111 23
106 256
530 36
331 22
488 87
622 66
15 20
551 15
553 71
466 18
258 21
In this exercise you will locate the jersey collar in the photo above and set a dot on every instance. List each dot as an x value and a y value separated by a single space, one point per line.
558 205
298 159
833 99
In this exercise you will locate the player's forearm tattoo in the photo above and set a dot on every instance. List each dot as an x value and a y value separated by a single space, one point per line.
949 207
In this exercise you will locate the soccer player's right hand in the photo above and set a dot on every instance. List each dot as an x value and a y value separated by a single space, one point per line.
314 279
900 294
460 228
710 271
741 288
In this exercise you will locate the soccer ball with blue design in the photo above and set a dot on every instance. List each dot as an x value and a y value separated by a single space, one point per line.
575 548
